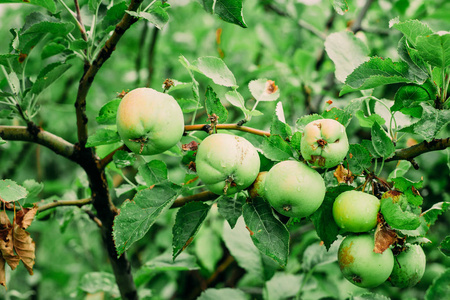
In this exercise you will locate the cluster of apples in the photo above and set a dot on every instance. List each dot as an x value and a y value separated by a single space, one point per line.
150 122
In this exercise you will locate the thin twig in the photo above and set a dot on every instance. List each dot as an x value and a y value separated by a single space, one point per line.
151 56
228 127
82 29
138 61
419 149
57 203
203 196
356 26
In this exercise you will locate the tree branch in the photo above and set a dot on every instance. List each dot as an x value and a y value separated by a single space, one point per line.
229 127
57 203
203 196
91 70
39 136
151 56
356 26
81 26
421 148
108 158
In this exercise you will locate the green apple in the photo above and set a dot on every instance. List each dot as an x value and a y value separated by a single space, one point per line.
227 163
149 122
409 267
361 265
356 211
257 187
324 143
294 189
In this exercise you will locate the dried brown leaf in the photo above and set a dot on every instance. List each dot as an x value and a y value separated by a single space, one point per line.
24 247
25 216
270 87
191 146
6 241
384 237
343 175
2 271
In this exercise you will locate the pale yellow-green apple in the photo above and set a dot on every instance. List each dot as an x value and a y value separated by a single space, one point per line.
324 143
226 163
361 265
149 122
409 267
356 211
257 187
294 189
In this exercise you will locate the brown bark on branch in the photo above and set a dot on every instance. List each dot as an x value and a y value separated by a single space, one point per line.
203 196
91 70
54 204
229 127
421 148
38 136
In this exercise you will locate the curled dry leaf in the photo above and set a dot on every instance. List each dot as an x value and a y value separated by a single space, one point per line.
384 237
6 241
25 216
2 272
25 247
343 175
192 146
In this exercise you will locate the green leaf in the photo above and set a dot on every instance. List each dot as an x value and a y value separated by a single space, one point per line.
323 220
216 69
208 248
214 106
123 159
282 286
358 159
409 189
417 67
440 289
317 255
280 128
400 170
14 83
108 112
435 49
231 207
5 59
377 72
381 142
408 98
165 262
396 217
154 172
236 99
275 148
223 294
114 15
156 15
94 4
188 105
340 115
40 23
96 282
52 49
261 90
269 235
241 247
2 141
445 246
432 214
137 216
370 296
228 10
340 6
368 121
103 137
412 29
11 191
48 4
187 223
305 120
48 75
346 51
431 122
34 188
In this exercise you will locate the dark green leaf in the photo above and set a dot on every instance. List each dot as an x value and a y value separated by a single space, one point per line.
187 223
228 10
381 142
48 75
11 191
275 148
412 29
445 246
408 98
189 105
339 115
214 106
52 49
114 14
323 220
108 112
400 170
157 15
435 49
409 189
269 235
346 51
223 294
34 188
165 262
358 159
440 289
48 4
340 6
78 45
432 214
431 122
231 207
417 67
396 217
103 137
94 4
377 72
137 216
153 172
261 91
4 59
96 282
216 69
123 159
39 23
368 121
280 128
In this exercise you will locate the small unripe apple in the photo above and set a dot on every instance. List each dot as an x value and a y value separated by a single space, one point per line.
324 143
409 267
149 122
361 265
227 163
294 189
356 211
257 187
